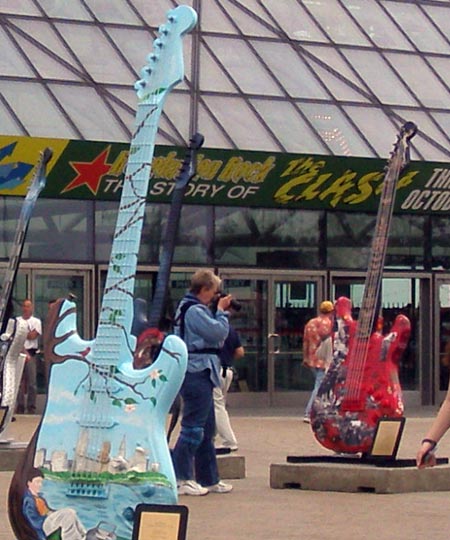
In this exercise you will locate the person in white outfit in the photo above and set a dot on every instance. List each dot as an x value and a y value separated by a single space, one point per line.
232 350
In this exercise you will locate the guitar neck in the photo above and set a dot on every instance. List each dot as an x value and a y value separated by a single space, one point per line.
36 186
372 286
117 306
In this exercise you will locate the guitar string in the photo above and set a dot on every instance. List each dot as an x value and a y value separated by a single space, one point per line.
366 322
100 390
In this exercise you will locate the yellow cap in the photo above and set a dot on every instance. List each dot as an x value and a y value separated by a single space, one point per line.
326 307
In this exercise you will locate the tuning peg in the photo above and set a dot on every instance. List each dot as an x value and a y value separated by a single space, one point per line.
158 44
139 85
163 30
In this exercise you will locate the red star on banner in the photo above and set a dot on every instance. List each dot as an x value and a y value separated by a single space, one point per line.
89 173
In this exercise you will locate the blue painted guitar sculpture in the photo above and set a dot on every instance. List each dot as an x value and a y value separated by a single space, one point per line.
101 446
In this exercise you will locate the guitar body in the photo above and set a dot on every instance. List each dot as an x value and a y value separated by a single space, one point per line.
347 424
115 456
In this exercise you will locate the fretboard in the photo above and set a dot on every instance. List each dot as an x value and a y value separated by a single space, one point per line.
116 313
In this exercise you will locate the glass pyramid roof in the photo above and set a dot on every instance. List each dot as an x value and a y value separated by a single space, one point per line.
308 76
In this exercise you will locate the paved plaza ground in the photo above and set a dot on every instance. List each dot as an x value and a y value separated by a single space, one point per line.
255 511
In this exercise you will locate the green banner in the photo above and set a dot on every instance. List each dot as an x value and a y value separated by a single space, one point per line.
95 170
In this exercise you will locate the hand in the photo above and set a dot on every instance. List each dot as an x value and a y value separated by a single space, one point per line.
425 456
224 303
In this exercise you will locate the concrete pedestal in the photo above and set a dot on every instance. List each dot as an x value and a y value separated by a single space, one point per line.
358 478
231 466
11 454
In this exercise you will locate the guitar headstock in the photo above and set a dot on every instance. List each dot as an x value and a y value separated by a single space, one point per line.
39 179
165 67
401 148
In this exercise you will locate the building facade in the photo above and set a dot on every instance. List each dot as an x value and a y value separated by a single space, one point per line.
295 80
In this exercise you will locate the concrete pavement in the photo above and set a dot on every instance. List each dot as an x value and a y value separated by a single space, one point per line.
255 511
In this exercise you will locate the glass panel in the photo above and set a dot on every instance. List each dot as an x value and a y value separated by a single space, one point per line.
376 126
11 61
379 77
58 230
46 65
154 12
266 238
36 110
105 65
349 237
72 10
444 336
77 100
417 27
335 130
216 138
212 75
241 123
440 16
301 26
45 34
120 13
378 26
440 242
330 56
399 295
419 77
250 24
215 19
251 324
248 73
8 123
295 76
295 303
336 23
288 125
22 7
66 223
176 109
442 66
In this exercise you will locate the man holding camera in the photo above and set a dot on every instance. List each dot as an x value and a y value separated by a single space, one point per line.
204 333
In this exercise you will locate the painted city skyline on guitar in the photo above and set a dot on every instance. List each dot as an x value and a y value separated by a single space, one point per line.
101 447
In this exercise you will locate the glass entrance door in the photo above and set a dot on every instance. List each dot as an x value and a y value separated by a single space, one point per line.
274 312
407 294
442 337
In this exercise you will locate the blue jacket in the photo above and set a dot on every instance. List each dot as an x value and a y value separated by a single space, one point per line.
203 330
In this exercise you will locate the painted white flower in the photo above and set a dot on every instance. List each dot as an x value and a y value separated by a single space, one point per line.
129 407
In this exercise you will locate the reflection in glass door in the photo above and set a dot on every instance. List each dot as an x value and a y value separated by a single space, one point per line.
251 324
399 295
294 304
443 336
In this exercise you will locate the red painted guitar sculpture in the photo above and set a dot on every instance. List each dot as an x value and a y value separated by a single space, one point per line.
362 385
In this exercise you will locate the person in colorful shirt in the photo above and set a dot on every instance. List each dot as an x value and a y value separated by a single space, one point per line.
317 348
43 519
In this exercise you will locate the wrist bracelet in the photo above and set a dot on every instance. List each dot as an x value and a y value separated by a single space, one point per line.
431 442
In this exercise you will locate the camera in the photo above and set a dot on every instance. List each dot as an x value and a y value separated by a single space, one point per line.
234 304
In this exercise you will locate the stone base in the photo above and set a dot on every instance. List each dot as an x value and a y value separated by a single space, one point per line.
358 478
231 466
11 454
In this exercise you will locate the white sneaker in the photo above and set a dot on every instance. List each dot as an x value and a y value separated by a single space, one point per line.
190 487
220 487
306 419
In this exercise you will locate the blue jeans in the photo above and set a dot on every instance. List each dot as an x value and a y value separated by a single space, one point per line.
195 444
319 374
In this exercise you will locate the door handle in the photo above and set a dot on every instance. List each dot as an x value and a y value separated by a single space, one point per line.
276 349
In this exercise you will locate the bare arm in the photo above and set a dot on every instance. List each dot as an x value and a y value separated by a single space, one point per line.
238 353
437 430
